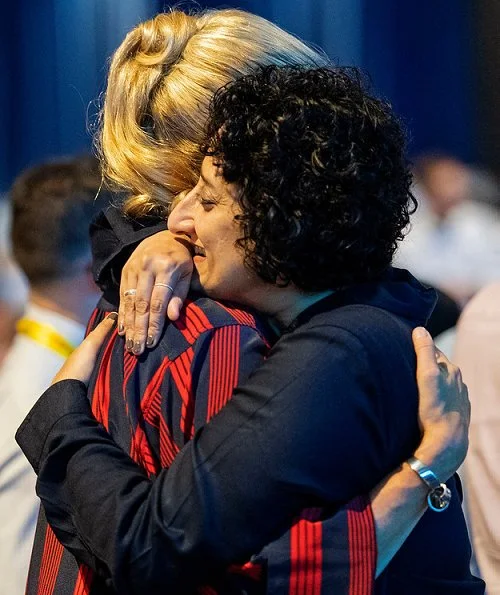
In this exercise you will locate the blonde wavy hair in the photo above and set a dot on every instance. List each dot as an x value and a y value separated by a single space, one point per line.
160 83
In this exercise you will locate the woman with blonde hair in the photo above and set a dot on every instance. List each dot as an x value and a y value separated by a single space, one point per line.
161 81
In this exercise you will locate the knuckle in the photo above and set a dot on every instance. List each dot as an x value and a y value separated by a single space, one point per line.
145 261
142 306
157 306
165 264
129 302
432 374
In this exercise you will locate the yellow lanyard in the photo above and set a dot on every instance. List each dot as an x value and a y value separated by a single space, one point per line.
45 335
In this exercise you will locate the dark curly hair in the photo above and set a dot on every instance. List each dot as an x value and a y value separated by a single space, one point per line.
321 163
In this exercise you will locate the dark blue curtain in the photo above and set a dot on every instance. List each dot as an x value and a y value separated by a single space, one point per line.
54 55
54 58
420 55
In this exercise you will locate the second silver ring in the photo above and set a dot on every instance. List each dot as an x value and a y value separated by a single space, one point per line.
159 284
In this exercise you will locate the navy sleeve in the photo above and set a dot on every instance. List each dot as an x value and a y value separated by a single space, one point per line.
308 427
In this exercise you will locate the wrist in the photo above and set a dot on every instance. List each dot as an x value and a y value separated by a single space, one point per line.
439 495
441 453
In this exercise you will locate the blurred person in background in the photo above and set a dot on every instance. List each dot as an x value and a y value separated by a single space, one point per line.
454 241
52 206
477 351
12 299
13 286
484 187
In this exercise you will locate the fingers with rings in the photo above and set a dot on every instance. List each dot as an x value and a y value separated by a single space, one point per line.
129 292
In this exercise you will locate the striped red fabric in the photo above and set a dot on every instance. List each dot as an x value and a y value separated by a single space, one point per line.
223 368
51 558
181 375
101 395
141 452
362 550
306 554
151 397
192 322
83 581
129 364
168 447
241 316
96 313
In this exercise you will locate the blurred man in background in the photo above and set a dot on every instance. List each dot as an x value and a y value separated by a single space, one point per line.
454 242
52 205
13 286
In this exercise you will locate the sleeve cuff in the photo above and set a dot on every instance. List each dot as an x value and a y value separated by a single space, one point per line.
64 398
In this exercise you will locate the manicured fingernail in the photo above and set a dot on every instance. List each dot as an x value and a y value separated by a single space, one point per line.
137 347
420 332
121 328
112 316
129 344
149 341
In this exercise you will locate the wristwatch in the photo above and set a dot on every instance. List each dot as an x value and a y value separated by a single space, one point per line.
439 495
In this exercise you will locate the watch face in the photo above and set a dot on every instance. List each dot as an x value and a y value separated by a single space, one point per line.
439 498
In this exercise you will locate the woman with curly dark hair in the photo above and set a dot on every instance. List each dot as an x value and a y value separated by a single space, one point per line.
325 185
303 193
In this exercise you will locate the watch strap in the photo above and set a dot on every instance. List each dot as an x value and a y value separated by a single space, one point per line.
425 473
439 496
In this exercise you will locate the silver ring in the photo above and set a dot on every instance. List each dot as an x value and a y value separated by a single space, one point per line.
129 292
165 285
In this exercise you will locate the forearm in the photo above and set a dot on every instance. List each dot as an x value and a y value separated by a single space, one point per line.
398 503
86 481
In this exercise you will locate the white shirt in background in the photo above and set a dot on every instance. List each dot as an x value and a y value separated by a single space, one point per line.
26 372
458 255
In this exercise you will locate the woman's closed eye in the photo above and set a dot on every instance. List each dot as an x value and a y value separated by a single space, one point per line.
207 203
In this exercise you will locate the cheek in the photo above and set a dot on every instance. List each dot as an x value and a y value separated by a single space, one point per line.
232 252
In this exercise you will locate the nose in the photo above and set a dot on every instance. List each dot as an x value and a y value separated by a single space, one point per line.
180 219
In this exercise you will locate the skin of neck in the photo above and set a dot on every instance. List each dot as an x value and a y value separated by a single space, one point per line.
283 304
74 296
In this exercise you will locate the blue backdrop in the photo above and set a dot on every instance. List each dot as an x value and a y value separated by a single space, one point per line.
54 55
